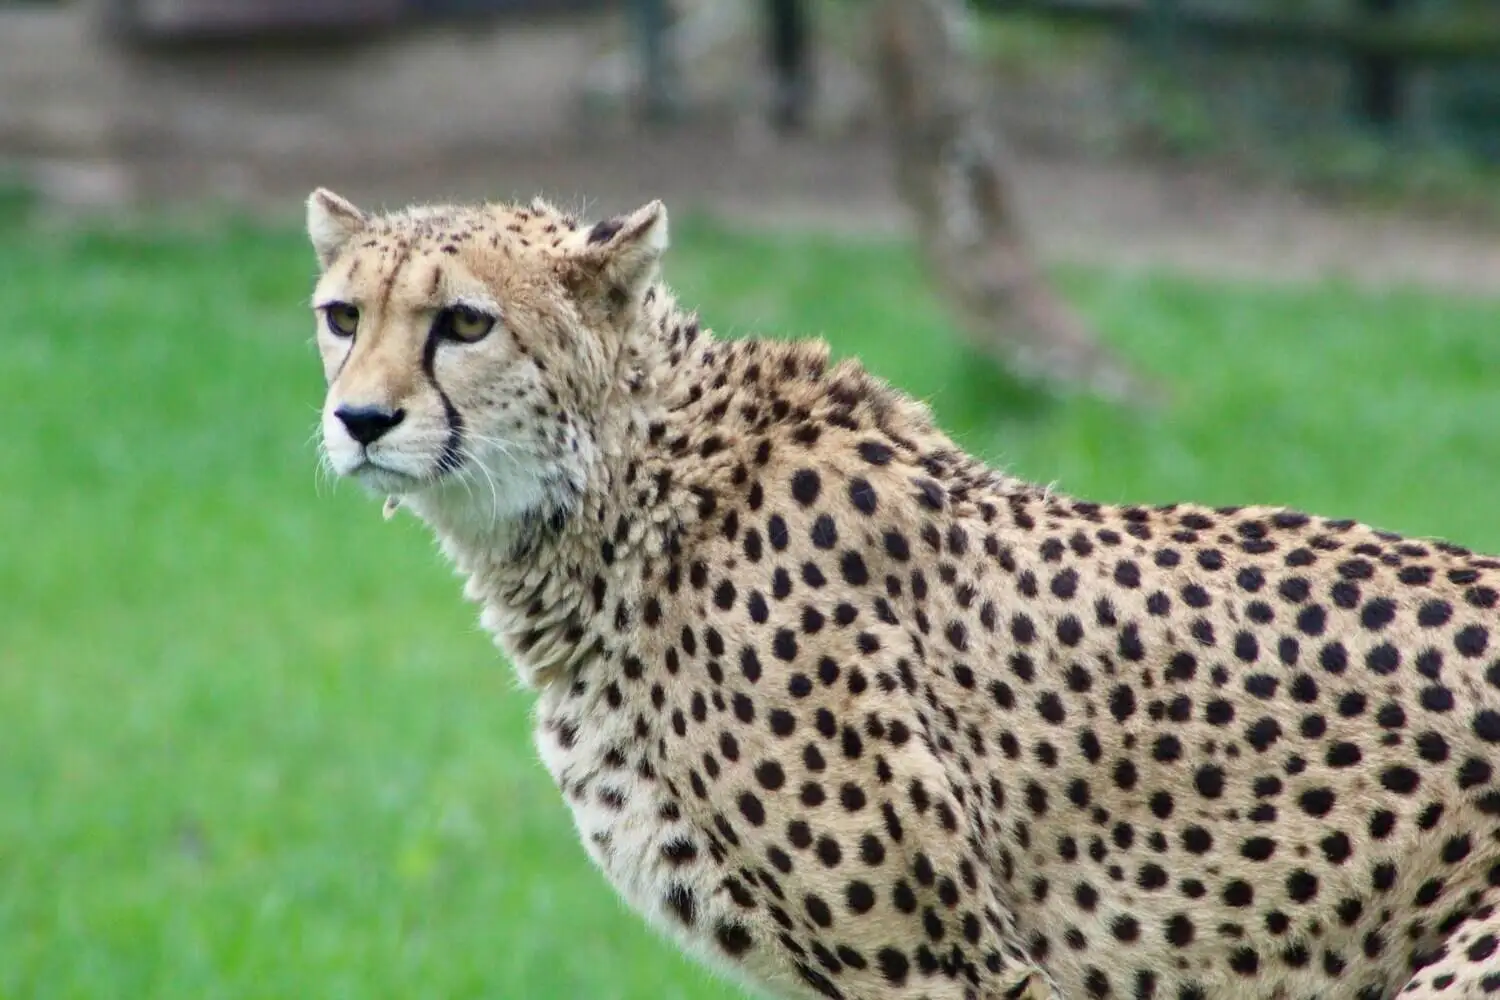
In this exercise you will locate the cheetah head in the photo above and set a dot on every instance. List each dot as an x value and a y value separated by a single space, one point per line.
471 352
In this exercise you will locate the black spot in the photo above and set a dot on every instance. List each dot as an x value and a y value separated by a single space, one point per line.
1246 649
1336 847
1069 630
1317 801
1434 614
752 809
1456 849
930 493
1345 594
818 911
778 532
1474 771
734 939
862 495
1383 659
1294 589
723 597
770 775
1312 619
1261 685
1343 754
1263 733
1471 641
1209 781
679 851
1203 631
1180 931
805 487
894 965
782 722
1377 613
785 645
1302 886
1487 725
680 901
818 981
896 546
1258 848
1065 584
1436 698
860 897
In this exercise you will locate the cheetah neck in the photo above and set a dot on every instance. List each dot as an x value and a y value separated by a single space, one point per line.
537 577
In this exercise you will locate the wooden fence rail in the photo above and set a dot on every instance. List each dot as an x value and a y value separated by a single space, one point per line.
1372 32
1382 41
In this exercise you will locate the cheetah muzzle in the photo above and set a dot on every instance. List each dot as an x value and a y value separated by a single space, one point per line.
851 715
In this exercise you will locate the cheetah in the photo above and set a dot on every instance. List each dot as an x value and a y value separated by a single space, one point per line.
848 714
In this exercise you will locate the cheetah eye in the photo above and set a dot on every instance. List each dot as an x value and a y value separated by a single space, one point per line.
342 318
464 324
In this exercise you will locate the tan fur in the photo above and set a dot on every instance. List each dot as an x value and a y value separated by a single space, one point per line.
846 712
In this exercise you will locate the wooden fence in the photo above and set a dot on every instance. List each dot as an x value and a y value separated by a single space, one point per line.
1382 41
173 22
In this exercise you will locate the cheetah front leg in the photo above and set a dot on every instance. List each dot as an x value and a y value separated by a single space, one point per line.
918 906
1467 965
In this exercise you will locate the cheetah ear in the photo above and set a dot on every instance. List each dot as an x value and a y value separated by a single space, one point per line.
331 223
620 256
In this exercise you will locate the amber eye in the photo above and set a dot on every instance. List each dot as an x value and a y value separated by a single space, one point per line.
465 324
342 319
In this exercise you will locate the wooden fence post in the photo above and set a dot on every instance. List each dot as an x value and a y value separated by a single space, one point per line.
1161 29
1376 78
789 49
650 19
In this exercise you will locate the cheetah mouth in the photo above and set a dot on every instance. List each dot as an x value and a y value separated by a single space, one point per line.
446 464
383 479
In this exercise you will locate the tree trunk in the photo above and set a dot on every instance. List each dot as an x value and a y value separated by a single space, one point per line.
951 172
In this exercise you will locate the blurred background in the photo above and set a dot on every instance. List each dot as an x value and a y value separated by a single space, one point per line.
253 744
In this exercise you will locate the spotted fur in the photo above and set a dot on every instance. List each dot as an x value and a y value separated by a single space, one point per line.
843 710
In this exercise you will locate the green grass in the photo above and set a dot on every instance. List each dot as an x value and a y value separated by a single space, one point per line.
253 743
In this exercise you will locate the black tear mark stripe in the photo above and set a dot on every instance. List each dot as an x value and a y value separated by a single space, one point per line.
344 362
452 456
354 342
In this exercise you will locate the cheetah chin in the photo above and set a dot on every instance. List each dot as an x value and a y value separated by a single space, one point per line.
847 714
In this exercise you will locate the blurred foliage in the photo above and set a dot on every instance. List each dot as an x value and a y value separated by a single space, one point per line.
18 200
1286 114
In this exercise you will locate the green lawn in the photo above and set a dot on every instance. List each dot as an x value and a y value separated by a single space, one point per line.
252 743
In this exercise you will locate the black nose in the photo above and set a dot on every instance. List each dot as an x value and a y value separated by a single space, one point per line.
367 424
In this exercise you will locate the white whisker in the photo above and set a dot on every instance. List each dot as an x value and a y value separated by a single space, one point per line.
323 473
471 460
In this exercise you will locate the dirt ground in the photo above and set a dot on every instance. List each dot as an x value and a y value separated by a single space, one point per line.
496 115
1109 213
1077 210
